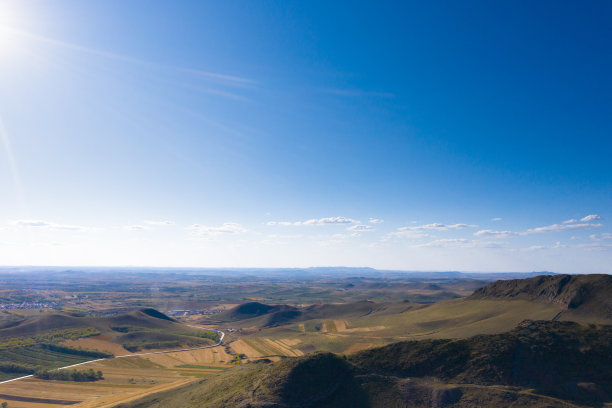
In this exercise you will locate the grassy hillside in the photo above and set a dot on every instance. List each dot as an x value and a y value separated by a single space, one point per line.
319 380
581 297
538 364
495 308
41 342
374 324
255 314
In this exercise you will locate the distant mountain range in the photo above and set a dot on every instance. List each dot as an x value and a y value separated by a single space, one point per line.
274 272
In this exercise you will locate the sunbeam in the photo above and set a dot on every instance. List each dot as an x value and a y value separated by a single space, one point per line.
12 164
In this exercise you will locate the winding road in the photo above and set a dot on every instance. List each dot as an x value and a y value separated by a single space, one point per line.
133 355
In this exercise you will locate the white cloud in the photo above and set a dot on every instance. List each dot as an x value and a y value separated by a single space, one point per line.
591 217
405 233
376 221
461 243
562 227
601 237
285 236
568 225
227 228
443 243
420 231
556 245
281 223
159 223
314 222
436 227
596 246
496 219
496 234
360 227
47 225
344 236
135 227
330 220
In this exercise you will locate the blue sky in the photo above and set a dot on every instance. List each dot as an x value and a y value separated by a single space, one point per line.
476 135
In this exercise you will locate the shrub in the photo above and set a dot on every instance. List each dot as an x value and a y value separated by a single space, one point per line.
70 375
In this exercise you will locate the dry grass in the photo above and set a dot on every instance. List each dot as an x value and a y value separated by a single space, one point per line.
282 348
358 347
365 329
256 347
210 356
125 379
341 325
291 342
101 343
244 347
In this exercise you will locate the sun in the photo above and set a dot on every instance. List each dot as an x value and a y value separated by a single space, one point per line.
13 18
8 17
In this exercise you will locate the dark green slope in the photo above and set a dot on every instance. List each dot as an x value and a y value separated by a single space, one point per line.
538 364
560 359
257 314
320 380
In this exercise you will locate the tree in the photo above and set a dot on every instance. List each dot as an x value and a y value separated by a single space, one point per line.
4 404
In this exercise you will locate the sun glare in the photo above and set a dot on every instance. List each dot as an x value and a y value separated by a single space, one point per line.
12 19
8 39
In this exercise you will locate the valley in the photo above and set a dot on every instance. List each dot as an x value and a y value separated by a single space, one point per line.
396 350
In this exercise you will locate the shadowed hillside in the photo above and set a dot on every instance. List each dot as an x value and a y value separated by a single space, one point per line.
583 297
318 380
561 359
538 364
258 314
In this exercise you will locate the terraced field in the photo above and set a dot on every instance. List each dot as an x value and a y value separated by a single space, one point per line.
125 379
257 347
216 356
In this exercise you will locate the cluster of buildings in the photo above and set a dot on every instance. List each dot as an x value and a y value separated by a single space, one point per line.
184 313
27 305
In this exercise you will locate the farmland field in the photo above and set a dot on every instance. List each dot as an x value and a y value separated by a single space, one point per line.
124 379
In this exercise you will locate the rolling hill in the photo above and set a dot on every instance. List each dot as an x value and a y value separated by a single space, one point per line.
59 339
537 364
492 309
580 297
32 326
255 314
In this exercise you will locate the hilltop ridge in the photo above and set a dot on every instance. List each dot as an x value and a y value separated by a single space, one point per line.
579 296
